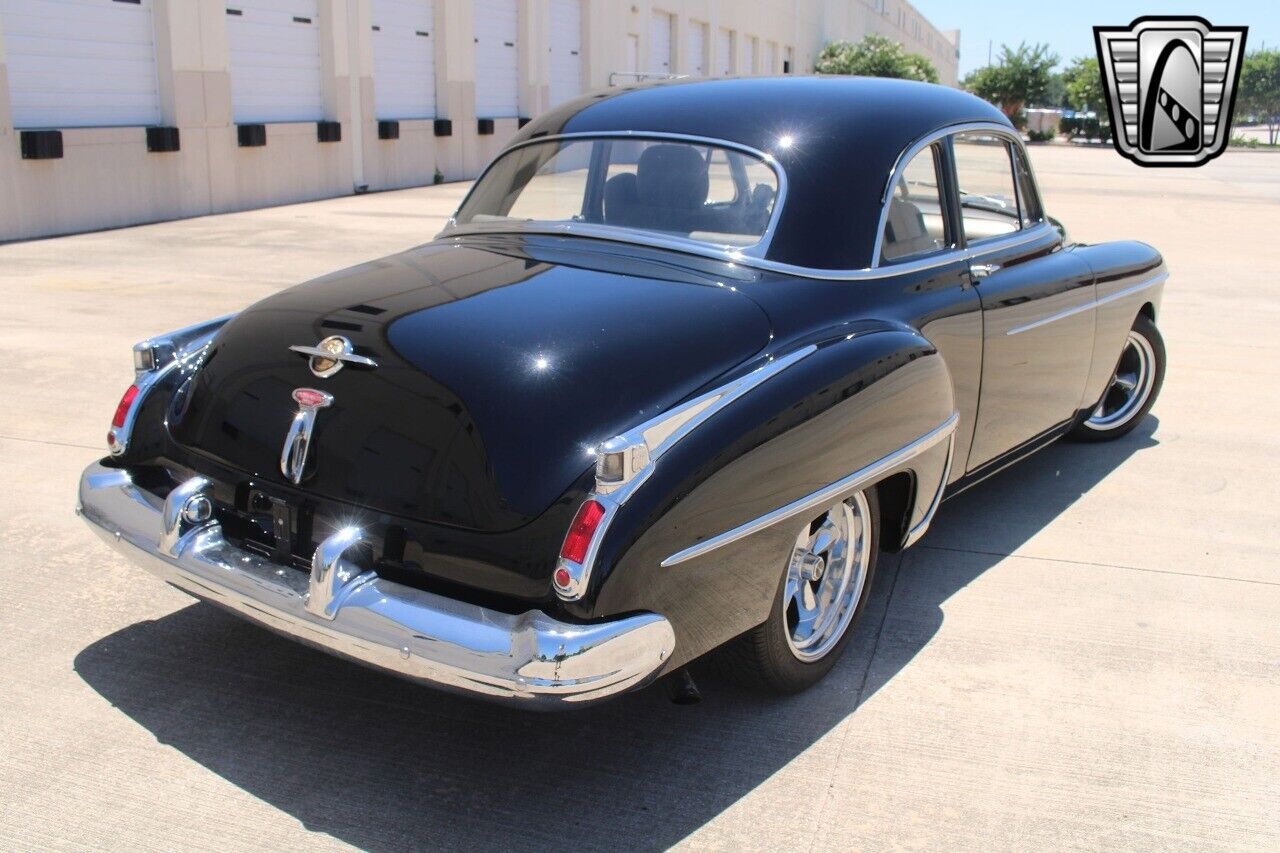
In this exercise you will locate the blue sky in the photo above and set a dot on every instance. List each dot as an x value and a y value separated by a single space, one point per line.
1067 25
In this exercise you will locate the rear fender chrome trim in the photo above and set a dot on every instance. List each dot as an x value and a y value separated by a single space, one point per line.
659 435
1089 306
914 534
858 479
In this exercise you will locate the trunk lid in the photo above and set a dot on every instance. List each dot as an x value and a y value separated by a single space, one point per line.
497 373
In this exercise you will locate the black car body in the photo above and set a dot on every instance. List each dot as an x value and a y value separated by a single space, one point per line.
550 459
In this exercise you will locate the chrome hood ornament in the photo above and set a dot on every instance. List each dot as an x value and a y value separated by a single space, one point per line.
328 356
297 442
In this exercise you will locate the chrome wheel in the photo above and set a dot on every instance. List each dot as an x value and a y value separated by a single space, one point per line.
825 578
1130 385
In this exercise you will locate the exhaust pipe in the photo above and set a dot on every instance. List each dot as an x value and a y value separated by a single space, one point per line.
682 689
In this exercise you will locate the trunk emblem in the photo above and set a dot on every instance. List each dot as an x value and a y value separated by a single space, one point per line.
297 442
328 356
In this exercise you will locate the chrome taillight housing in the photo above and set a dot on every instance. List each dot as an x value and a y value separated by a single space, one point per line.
152 360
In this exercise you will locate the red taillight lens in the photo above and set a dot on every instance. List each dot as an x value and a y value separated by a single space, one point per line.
126 403
581 531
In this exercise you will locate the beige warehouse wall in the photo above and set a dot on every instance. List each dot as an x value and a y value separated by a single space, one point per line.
107 177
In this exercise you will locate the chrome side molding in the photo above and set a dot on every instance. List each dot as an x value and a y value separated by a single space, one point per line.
1089 306
827 494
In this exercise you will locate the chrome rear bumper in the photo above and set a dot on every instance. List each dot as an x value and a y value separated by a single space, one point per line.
530 660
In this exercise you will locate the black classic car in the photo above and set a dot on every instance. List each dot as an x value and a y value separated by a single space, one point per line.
686 359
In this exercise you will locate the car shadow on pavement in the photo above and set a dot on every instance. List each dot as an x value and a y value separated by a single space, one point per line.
386 765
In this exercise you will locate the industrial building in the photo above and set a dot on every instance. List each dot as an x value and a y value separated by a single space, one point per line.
118 112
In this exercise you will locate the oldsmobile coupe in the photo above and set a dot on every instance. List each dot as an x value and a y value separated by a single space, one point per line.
688 357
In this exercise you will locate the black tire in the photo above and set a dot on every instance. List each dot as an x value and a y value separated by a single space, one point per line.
1093 427
763 657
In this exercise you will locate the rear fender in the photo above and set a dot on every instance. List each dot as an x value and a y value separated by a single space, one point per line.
846 409
1128 275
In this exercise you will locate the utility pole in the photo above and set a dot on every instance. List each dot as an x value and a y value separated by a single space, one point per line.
988 51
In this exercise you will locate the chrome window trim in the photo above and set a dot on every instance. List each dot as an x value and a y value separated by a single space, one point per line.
755 259
858 479
1092 304
1009 139
863 274
629 235
666 430
919 145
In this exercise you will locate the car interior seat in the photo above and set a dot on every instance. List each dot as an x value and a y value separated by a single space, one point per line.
905 231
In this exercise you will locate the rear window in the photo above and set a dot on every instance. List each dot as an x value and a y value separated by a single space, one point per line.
709 193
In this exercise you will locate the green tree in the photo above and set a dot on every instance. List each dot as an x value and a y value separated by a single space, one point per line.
875 56
1056 96
1084 85
1020 76
1260 89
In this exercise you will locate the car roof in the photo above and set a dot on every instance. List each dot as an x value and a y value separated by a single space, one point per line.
845 133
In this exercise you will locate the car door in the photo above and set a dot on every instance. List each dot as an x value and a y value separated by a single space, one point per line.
1037 300
920 244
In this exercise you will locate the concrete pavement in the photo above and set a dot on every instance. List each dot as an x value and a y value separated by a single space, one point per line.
1082 653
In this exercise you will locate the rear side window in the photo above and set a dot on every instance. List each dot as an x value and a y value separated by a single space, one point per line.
985 178
914 224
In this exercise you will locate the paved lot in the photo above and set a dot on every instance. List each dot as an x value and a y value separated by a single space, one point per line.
1084 652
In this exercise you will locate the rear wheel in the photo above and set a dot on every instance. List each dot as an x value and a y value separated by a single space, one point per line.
1133 388
823 590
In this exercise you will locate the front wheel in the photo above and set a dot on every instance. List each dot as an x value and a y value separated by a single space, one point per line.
1133 387
824 587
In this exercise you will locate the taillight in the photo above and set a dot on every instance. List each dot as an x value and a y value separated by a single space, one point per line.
115 440
573 569
126 403
578 540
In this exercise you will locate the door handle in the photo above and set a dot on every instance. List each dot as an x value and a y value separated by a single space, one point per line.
982 270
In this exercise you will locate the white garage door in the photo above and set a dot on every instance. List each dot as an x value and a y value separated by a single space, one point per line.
497 89
770 59
404 59
748 56
566 50
80 63
697 49
275 60
660 43
724 53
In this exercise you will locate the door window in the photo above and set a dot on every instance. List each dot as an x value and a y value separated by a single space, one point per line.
984 173
1028 199
915 224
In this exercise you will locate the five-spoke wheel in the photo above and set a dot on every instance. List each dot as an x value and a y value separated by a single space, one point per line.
825 577
1132 389
824 586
